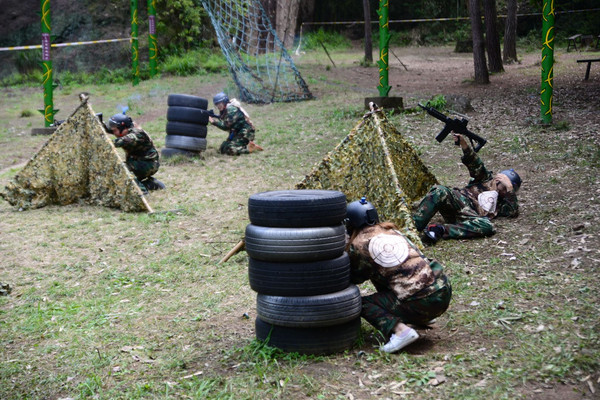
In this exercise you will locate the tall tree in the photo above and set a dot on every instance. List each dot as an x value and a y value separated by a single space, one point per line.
510 32
368 40
481 71
492 40
286 21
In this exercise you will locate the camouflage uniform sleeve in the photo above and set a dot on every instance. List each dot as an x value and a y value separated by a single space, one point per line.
126 141
360 270
221 123
509 206
477 170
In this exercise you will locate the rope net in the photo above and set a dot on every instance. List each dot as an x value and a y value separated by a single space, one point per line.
375 161
261 66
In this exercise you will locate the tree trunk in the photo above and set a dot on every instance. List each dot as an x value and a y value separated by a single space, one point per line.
492 39
286 20
510 32
368 40
481 71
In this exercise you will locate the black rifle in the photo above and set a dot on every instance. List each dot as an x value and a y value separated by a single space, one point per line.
211 113
455 125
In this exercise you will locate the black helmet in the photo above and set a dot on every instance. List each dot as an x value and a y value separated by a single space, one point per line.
360 213
120 121
515 179
220 98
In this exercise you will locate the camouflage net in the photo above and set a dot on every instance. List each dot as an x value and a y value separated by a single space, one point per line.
78 162
375 161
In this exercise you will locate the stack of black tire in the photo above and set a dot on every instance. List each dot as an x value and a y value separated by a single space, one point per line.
187 117
297 264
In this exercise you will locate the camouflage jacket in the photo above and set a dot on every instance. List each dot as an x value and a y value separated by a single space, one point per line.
234 120
481 181
416 277
138 145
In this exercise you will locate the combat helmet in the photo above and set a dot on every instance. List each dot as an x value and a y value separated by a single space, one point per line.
514 178
360 213
220 97
120 121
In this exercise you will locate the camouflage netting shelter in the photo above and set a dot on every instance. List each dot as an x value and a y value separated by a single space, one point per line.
375 161
78 163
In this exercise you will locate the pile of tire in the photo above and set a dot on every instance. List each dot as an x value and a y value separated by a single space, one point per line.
187 118
298 267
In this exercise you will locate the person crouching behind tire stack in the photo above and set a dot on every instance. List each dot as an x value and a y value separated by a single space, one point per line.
411 289
233 118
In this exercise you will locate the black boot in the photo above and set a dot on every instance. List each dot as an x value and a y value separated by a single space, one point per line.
152 183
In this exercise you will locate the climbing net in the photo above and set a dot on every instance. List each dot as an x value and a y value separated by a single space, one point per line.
261 67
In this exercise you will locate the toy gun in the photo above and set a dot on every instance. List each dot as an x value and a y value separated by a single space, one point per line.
455 125
211 113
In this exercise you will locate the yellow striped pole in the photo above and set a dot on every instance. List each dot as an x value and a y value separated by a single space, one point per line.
135 64
48 110
152 42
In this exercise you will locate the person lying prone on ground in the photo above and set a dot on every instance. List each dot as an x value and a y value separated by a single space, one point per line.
468 212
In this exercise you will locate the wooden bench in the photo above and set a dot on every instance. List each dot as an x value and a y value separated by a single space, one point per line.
589 64
573 40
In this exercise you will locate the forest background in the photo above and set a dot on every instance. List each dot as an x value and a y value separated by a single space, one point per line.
187 42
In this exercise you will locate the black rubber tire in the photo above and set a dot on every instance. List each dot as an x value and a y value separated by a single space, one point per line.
187 100
187 114
310 311
186 129
318 341
168 152
295 244
299 279
297 208
185 142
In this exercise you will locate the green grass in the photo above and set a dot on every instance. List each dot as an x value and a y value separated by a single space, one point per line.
111 305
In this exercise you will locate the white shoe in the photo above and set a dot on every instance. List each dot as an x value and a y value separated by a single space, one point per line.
398 342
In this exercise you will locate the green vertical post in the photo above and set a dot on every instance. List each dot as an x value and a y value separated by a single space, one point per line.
152 43
384 41
547 61
48 110
135 64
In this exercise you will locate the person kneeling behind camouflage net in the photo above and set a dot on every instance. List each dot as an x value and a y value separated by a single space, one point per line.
142 158
411 289
468 211
233 118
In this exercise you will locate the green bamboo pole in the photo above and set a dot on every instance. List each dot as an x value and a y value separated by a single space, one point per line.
135 65
547 61
384 41
48 110
152 43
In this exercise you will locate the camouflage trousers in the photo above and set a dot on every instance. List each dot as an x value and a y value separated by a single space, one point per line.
142 169
234 147
462 220
384 310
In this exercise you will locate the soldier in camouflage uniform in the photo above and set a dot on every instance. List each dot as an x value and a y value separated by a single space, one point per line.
468 211
142 158
233 118
411 289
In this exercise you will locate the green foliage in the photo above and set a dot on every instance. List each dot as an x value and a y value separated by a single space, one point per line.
195 62
181 25
331 40
438 102
28 61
